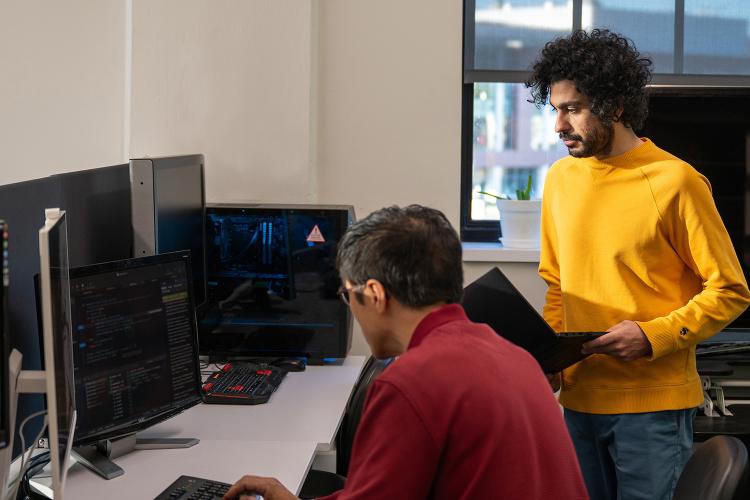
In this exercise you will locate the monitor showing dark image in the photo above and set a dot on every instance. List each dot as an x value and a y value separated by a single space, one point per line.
709 127
135 344
272 281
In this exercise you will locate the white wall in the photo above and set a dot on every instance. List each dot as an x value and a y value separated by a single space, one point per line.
389 106
390 103
230 80
62 86
336 101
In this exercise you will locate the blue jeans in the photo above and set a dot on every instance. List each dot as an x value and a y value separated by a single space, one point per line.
634 455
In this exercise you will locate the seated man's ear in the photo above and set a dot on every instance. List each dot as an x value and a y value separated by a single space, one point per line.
377 293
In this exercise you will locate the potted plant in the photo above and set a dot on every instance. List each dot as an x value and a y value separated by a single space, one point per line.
520 219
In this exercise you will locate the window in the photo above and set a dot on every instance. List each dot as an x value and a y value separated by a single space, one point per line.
505 138
512 140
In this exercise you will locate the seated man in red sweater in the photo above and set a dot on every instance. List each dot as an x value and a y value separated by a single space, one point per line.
462 413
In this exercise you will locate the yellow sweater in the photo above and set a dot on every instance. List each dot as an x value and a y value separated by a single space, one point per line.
636 237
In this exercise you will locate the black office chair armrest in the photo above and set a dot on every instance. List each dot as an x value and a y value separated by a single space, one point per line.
320 483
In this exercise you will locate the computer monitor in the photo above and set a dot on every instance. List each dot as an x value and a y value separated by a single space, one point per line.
5 424
58 351
168 204
272 280
135 347
97 204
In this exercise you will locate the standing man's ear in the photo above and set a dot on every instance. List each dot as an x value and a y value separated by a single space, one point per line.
618 112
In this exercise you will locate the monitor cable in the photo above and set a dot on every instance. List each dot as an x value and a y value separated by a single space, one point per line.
22 476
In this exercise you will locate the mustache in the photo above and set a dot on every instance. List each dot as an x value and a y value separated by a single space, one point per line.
570 137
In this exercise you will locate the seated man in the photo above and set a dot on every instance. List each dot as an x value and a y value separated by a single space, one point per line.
462 413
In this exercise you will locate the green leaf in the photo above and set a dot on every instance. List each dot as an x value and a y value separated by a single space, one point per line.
501 197
526 193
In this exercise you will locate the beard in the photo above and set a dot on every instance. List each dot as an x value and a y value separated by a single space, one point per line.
598 141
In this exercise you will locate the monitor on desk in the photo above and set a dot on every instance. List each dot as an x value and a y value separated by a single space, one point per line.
97 204
57 340
135 346
272 280
168 203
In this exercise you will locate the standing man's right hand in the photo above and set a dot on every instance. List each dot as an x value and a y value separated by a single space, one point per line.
554 380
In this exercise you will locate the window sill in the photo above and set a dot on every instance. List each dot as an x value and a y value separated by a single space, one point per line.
494 252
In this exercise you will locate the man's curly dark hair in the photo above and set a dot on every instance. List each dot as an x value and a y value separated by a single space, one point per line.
605 66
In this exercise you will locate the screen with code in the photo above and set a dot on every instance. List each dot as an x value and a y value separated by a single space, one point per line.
135 344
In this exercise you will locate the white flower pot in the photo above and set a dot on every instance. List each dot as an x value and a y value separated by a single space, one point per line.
520 222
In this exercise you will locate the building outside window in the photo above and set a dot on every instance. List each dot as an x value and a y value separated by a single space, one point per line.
505 138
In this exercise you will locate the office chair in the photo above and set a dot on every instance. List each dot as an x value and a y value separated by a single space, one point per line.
321 483
717 470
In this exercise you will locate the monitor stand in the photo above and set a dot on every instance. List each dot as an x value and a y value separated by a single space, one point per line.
6 454
98 457
19 382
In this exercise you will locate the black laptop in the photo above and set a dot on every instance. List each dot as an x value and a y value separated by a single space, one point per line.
492 299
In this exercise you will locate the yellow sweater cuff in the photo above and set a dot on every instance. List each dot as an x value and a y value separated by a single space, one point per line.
659 334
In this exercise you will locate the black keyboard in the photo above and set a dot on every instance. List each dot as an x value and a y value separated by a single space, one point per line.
242 384
718 348
194 488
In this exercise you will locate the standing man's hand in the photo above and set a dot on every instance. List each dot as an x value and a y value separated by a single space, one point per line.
624 341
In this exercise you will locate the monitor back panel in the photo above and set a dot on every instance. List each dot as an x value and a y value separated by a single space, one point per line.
168 203
97 203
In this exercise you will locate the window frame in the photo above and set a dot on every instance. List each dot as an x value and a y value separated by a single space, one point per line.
489 230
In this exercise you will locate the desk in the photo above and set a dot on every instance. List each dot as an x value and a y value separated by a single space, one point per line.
278 439
308 406
737 425
148 472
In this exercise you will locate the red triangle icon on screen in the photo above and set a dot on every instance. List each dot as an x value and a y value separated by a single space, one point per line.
315 235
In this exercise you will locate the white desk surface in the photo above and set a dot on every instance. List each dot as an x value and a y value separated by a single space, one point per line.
307 406
149 472
277 439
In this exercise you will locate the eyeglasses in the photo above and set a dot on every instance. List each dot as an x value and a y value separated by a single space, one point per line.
343 292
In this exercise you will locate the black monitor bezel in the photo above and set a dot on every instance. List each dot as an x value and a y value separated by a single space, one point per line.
210 348
136 424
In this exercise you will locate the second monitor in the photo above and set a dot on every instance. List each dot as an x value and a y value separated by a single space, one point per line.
272 280
135 351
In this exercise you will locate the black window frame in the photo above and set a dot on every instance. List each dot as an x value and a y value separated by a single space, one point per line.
489 230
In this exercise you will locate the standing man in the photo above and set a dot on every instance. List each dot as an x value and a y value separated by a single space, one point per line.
632 244
462 413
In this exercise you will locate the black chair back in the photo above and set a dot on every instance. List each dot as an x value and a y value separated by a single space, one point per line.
345 437
718 470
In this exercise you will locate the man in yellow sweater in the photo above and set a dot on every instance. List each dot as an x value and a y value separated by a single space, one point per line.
632 244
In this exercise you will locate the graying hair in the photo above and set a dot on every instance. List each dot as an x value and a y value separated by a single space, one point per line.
413 251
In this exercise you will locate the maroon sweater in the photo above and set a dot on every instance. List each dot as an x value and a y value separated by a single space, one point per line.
463 414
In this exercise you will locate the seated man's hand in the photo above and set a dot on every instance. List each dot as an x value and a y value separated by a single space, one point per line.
248 487
554 381
625 341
